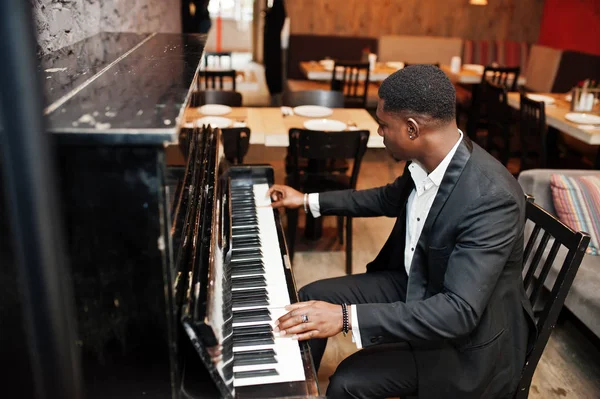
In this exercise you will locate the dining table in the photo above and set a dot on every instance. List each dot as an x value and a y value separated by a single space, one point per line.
269 126
556 108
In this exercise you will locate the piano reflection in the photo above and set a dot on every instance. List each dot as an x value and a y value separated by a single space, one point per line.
168 263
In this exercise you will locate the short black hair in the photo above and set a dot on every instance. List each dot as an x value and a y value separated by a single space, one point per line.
419 89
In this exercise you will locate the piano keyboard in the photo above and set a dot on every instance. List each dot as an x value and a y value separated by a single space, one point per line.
259 294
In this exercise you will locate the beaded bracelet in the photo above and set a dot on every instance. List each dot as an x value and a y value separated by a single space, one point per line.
344 319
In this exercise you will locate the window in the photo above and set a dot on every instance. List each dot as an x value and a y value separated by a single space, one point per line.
239 10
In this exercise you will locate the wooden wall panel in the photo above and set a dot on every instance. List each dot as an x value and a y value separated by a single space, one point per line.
517 20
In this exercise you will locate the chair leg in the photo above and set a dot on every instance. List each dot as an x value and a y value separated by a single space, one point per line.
340 226
292 225
348 245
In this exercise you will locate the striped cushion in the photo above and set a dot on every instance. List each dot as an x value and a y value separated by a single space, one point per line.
480 52
577 204
511 54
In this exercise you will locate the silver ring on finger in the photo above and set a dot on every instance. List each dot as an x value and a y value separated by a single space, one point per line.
304 318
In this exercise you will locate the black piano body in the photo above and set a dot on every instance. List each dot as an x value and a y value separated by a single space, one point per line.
115 102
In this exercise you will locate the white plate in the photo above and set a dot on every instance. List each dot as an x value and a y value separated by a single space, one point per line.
584 119
214 109
325 125
313 111
474 67
541 98
214 121
395 65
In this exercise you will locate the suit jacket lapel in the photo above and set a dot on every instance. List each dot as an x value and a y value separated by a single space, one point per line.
417 282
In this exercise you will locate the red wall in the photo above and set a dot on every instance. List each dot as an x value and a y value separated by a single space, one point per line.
571 25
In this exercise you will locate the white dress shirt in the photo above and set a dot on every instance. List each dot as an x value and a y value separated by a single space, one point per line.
417 208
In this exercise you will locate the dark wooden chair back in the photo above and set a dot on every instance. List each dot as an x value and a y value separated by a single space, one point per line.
508 77
556 234
532 133
215 79
352 79
498 114
325 98
217 58
231 98
236 141
437 64
323 146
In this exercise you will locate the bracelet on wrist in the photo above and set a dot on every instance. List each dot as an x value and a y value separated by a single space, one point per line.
344 319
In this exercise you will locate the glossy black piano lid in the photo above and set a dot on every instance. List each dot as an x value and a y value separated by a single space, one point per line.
137 94
65 69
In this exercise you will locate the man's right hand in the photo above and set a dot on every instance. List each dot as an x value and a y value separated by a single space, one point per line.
284 196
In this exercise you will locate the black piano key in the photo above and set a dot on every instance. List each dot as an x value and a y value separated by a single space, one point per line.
241 342
247 282
248 271
258 337
255 373
237 303
237 259
239 247
248 252
240 316
258 292
254 361
248 354
258 328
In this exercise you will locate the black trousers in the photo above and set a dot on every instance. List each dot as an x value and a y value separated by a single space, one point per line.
379 371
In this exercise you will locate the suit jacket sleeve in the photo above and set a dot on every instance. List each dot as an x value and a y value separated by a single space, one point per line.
486 237
381 201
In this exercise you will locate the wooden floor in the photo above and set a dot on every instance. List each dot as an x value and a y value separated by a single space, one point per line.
570 366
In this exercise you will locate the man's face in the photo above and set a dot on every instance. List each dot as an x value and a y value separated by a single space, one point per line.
394 131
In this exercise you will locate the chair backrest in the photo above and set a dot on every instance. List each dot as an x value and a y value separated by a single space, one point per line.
231 98
236 141
216 58
325 98
352 79
532 133
505 76
576 244
436 64
496 106
318 145
214 79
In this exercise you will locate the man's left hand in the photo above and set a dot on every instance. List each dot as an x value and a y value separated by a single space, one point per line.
312 319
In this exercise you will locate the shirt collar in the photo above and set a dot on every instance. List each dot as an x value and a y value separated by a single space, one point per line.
419 174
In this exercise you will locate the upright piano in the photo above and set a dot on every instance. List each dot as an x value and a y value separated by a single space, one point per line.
167 263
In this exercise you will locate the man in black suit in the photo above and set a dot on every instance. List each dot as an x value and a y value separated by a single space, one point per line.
441 311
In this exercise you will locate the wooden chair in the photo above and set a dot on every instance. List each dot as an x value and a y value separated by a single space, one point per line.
323 146
473 103
437 64
215 79
532 133
347 77
555 233
236 142
498 132
325 98
218 56
231 98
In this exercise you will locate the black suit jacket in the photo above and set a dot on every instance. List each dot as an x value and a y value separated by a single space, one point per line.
466 314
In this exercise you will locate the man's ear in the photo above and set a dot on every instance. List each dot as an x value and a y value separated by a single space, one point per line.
412 127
